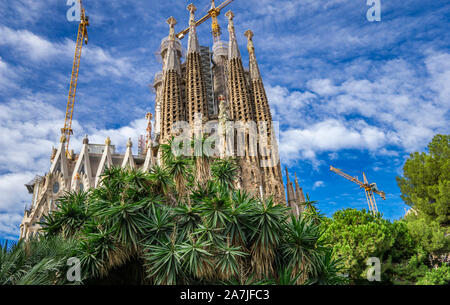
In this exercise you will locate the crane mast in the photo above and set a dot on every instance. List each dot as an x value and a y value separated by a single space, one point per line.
212 13
369 188
82 37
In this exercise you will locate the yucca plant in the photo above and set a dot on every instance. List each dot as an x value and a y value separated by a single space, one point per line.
180 170
197 260
238 228
69 217
223 172
181 231
188 219
329 271
161 179
301 250
38 261
158 225
228 260
202 172
164 263
266 221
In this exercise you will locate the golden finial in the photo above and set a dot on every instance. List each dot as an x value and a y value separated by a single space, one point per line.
108 141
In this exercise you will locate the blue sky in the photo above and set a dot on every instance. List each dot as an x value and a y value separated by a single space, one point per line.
347 92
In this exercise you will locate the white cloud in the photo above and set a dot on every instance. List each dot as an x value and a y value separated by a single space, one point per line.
101 62
329 135
28 129
322 87
318 184
13 199
333 156
438 65
401 107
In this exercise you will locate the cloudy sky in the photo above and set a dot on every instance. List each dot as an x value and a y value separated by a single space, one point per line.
347 92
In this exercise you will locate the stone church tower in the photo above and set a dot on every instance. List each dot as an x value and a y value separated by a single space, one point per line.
211 88
242 92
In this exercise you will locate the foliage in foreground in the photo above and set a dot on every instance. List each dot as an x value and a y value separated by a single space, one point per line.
425 184
168 227
438 276
35 262
405 247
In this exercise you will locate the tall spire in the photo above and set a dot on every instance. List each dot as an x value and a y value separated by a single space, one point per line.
233 50
196 98
269 152
290 193
172 61
172 106
299 192
193 45
253 65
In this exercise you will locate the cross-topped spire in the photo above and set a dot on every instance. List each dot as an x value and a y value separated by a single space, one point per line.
171 21
233 50
249 34
230 16
171 61
191 8
253 64
193 45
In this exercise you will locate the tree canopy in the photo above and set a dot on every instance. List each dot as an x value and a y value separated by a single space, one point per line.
425 184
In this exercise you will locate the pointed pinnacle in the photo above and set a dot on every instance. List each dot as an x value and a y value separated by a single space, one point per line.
229 15
171 21
249 34
191 8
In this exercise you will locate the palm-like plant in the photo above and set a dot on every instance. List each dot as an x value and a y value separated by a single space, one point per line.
224 172
238 227
198 261
159 224
188 219
329 271
201 160
228 261
164 263
179 169
36 262
69 217
181 231
300 249
161 179
266 221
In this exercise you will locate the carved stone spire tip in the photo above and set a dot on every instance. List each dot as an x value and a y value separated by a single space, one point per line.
85 139
249 34
129 143
171 21
229 15
191 8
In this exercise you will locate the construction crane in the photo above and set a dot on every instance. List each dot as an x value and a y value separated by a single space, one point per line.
82 37
369 188
212 13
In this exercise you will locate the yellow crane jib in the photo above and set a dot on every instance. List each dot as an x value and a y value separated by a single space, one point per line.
369 188
212 13
82 37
